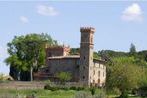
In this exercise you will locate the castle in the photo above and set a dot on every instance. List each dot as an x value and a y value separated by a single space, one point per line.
83 68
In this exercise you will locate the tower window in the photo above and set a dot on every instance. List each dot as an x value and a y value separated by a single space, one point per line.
83 77
84 58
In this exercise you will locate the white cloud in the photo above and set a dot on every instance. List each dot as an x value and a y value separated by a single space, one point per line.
133 13
47 10
24 19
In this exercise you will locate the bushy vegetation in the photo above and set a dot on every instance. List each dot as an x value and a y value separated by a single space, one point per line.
64 77
39 93
83 94
62 87
126 72
27 54
60 93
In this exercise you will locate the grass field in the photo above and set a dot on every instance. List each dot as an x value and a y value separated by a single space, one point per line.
40 93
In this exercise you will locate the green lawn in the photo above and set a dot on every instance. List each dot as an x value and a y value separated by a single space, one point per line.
113 96
40 93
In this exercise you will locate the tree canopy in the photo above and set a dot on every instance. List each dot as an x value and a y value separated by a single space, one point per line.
27 53
132 49
125 74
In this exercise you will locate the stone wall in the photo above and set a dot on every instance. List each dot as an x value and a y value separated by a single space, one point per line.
70 65
22 85
57 51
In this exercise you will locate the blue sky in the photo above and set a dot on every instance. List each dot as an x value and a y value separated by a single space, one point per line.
117 23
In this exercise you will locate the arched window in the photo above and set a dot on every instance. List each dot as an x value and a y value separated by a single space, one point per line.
94 72
99 73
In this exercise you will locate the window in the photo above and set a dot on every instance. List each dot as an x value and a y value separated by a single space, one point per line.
103 74
94 72
49 54
99 73
83 77
98 81
93 81
84 58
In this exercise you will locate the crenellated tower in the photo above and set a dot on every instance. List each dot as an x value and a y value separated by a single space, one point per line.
86 55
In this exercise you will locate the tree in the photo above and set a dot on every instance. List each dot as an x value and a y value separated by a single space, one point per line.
132 50
124 74
64 76
27 54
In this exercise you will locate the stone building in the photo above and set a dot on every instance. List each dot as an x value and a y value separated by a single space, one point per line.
83 67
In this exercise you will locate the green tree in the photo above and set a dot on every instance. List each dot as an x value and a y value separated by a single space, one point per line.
74 51
132 50
124 74
27 53
64 76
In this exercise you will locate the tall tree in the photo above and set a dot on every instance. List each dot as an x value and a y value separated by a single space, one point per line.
27 53
132 49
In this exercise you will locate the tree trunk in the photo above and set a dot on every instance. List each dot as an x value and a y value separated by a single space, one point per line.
31 73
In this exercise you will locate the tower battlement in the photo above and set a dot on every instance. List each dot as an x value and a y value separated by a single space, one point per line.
87 29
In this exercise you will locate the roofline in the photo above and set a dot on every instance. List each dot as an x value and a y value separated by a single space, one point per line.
73 57
65 57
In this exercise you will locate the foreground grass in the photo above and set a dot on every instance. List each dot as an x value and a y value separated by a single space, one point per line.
114 96
39 93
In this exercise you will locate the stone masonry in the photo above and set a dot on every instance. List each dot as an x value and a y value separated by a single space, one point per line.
83 68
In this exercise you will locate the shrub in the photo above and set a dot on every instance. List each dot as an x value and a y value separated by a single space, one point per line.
93 89
124 95
84 94
76 88
73 88
64 77
142 91
48 87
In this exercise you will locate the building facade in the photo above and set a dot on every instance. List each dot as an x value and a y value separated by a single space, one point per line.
83 68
